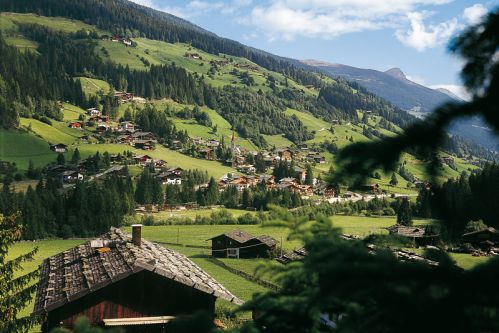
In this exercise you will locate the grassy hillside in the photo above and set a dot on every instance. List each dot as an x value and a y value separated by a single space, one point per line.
9 21
21 146
157 52
94 86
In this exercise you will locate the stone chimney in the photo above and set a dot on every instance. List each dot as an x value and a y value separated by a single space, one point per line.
136 234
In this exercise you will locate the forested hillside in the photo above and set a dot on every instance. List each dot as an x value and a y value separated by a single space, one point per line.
250 89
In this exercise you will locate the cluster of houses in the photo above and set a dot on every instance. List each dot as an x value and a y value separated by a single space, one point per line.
272 158
118 39
242 182
126 132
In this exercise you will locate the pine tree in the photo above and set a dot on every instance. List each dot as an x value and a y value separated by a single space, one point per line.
60 159
15 292
309 179
394 181
404 213
76 157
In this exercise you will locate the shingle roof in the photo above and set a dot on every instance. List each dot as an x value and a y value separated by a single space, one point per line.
267 240
243 237
237 235
406 231
76 272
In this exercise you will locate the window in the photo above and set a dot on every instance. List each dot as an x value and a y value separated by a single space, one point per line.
232 253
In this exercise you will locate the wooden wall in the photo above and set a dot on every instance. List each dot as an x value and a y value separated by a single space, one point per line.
143 294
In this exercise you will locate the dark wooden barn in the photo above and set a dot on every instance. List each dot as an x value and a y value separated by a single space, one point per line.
418 234
482 238
122 281
240 244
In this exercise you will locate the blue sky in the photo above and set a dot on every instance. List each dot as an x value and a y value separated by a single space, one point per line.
379 34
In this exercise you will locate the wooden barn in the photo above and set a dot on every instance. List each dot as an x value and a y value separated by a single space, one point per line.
482 238
418 234
126 282
240 244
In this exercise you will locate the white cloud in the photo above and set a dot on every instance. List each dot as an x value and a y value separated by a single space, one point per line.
421 36
459 91
416 78
287 19
475 13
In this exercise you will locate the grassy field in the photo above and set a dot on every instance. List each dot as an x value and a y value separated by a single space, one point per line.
55 133
277 141
192 214
9 21
94 86
22 43
21 146
173 158
71 112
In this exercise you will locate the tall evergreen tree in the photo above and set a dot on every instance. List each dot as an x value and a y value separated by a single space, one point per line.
15 291
404 213
76 157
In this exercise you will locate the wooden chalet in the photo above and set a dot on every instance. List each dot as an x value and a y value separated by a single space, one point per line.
102 128
207 153
59 148
142 160
240 244
483 239
285 154
121 95
124 139
70 177
143 136
169 178
418 234
92 112
144 144
300 173
123 281
100 119
76 125
127 126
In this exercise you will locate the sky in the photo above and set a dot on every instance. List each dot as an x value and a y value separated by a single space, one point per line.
412 35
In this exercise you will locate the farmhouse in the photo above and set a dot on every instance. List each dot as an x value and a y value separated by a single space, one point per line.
481 238
240 244
102 128
123 96
418 234
125 282
169 178
59 148
144 144
69 177
127 126
284 153
142 160
92 112
76 125
207 153
124 139
144 136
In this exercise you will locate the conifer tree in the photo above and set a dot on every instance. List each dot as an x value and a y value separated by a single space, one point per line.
394 181
15 292
76 157
61 160
404 213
